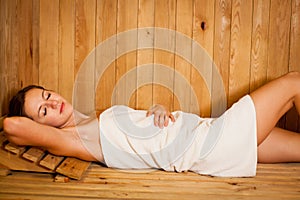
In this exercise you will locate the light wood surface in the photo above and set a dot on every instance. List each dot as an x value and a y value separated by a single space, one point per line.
250 42
275 181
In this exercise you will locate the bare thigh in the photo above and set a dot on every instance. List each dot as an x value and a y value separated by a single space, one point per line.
280 146
273 100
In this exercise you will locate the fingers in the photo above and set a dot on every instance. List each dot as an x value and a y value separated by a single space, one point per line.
171 116
161 116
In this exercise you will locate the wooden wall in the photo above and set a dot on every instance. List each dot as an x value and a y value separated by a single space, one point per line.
251 42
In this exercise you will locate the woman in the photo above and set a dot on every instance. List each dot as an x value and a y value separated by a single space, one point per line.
227 146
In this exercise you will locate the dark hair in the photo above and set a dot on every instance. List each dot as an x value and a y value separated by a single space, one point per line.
16 104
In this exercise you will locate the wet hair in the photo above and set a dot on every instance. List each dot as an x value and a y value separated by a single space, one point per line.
16 104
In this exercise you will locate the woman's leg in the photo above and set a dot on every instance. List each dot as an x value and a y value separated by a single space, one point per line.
273 100
280 146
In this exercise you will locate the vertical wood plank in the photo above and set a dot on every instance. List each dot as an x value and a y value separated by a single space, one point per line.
144 96
279 30
127 19
240 47
9 53
48 43
106 27
203 33
292 117
24 24
259 50
165 17
3 58
13 50
184 24
222 40
35 40
66 48
84 44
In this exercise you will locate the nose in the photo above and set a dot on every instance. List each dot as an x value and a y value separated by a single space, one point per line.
52 103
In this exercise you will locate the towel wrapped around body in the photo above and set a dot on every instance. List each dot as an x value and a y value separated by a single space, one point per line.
224 146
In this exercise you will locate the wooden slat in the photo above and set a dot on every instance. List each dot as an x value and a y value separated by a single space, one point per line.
15 162
106 27
240 47
51 161
222 40
105 183
3 50
259 49
61 178
165 17
18 150
35 41
184 21
48 44
203 34
126 20
73 168
14 158
279 30
144 96
24 25
9 52
66 62
34 154
84 43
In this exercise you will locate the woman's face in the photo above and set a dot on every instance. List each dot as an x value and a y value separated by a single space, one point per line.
47 107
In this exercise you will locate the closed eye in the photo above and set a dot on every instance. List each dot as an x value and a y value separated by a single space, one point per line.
45 111
48 96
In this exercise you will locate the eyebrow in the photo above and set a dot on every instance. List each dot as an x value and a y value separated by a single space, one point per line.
41 105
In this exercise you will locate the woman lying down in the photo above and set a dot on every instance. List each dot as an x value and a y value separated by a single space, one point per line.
228 146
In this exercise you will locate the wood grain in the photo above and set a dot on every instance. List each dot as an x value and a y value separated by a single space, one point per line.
259 49
85 29
277 181
203 31
106 28
46 42
127 20
145 57
165 17
240 47
66 64
184 21
279 30
25 54
222 36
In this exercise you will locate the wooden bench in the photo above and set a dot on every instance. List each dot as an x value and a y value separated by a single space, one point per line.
34 159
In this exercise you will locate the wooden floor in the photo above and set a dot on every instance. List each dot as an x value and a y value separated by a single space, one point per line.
276 181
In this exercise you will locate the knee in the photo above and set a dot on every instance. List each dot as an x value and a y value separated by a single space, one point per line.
294 75
292 79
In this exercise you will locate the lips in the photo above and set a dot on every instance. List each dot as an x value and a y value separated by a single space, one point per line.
62 107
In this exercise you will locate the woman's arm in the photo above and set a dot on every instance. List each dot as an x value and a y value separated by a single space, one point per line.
65 142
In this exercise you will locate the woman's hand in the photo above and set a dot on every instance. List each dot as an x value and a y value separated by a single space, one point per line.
161 115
